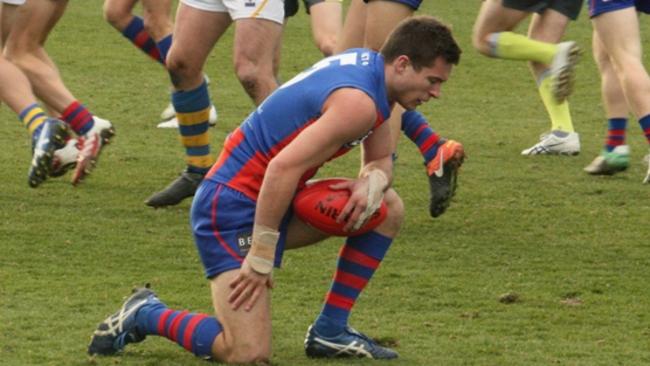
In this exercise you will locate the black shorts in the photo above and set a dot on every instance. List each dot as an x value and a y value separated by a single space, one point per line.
570 8
291 6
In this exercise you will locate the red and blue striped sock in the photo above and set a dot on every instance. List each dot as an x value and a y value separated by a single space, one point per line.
615 133
78 117
416 128
358 260
163 47
194 332
136 33
644 122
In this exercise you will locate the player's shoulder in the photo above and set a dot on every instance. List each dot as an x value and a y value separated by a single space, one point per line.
352 98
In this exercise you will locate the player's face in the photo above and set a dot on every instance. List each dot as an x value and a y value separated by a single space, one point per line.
420 86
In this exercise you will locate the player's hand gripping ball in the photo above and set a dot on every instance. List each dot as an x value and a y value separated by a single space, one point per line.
319 206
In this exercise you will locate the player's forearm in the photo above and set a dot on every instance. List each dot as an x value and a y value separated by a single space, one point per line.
273 201
275 196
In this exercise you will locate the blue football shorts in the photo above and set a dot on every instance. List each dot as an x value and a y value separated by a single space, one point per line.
222 223
597 7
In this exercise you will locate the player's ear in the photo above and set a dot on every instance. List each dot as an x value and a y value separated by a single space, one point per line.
401 63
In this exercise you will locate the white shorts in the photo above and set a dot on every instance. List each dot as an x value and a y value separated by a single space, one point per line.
240 9
13 2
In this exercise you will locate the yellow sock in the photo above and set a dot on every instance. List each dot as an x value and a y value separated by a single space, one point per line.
559 112
32 117
515 46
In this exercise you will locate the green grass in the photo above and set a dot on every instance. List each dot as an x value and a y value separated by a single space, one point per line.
572 248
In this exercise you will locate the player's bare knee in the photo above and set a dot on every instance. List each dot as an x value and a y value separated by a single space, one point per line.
249 357
116 16
244 353
247 72
19 58
395 216
250 78
327 46
481 43
180 71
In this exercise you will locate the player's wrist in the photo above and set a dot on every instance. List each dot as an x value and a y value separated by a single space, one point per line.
377 179
261 257
377 184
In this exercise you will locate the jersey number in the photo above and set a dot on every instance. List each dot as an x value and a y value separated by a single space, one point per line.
343 59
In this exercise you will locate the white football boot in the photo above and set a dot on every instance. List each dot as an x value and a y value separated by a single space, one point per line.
90 146
168 113
556 143
64 158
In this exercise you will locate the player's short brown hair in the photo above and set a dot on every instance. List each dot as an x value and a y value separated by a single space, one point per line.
423 39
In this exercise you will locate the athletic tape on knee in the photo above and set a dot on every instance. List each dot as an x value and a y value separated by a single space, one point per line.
261 257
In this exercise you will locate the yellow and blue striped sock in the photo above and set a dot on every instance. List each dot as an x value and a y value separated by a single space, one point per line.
193 110
33 117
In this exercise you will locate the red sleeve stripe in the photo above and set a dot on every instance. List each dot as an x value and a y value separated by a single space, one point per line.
379 120
248 179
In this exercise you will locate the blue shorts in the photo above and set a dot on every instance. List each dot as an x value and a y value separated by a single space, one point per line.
597 7
413 4
222 223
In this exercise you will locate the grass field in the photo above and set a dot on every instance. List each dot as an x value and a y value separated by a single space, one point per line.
572 249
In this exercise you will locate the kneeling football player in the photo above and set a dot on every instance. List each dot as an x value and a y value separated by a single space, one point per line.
241 216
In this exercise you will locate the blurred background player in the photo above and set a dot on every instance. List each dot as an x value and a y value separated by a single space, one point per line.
152 34
551 63
47 134
624 80
30 24
326 17
345 101
368 24
199 25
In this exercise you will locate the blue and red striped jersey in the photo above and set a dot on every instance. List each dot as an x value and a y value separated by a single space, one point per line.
290 109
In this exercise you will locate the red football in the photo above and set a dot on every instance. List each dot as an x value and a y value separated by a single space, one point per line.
318 205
